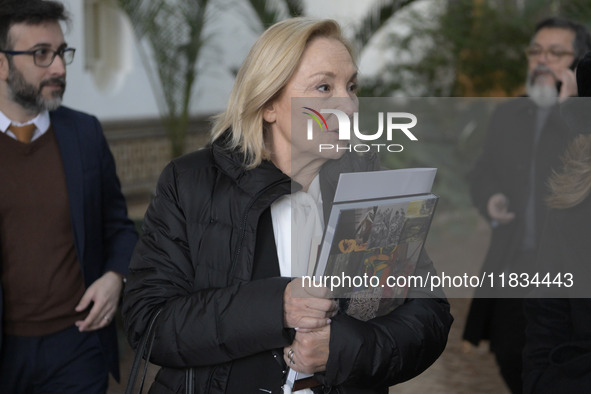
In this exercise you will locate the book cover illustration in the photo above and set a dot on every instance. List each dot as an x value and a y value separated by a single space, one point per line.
374 228
379 242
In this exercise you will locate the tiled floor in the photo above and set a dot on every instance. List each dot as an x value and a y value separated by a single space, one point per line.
461 369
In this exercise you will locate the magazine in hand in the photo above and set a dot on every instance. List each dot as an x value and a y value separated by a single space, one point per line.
377 228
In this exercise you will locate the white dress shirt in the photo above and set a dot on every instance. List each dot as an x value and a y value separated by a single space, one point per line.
41 121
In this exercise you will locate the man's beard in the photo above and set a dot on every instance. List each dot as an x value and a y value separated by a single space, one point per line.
541 93
31 98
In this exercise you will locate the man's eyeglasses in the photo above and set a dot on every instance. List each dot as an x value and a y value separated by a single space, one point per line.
44 57
552 54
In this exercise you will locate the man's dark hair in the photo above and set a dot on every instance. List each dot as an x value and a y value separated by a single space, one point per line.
582 42
32 12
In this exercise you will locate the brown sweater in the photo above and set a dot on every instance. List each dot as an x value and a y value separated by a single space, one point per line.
41 276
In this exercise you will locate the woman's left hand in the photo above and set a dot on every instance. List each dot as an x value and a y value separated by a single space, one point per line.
309 351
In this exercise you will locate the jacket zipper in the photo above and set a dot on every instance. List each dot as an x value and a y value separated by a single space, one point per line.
245 219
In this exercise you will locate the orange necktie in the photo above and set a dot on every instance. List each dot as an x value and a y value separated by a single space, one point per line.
23 133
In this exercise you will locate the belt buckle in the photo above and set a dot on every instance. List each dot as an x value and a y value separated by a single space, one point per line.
293 384
305 383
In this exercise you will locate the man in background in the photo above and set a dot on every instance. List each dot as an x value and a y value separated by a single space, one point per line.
525 140
65 238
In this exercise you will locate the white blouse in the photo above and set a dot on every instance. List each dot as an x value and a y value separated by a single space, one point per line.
298 225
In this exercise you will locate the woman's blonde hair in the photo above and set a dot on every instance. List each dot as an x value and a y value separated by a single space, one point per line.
266 70
573 184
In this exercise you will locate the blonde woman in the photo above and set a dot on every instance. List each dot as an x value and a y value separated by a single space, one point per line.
215 255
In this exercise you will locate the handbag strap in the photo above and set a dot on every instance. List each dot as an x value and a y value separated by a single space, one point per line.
190 381
143 351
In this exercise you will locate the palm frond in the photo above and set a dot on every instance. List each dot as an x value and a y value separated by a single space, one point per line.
171 39
266 12
295 7
376 18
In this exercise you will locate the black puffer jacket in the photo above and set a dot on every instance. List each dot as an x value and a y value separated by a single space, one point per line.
195 260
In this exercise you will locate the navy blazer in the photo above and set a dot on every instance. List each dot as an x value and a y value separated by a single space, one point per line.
104 236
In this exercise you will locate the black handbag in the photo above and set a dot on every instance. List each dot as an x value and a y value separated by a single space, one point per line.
143 352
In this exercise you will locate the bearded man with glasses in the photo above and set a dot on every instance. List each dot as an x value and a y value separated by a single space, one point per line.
65 238
508 184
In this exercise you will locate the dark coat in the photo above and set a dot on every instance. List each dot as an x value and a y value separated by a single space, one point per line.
195 260
504 167
104 237
557 356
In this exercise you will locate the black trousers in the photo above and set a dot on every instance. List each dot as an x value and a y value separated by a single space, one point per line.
64 362
507 328
507 340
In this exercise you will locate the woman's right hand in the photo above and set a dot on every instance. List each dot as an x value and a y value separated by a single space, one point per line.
307 307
